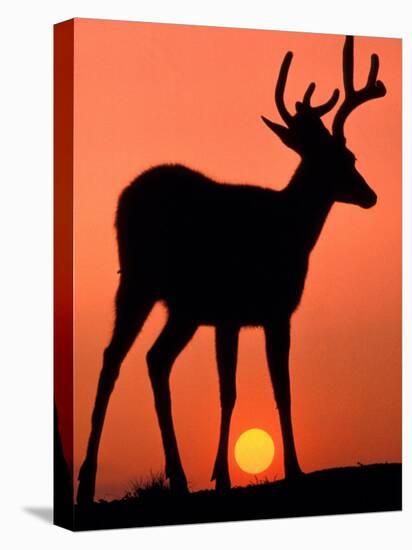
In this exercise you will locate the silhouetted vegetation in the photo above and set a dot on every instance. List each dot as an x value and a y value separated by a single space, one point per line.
372 488
154 486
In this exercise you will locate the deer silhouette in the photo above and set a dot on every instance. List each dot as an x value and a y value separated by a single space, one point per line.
227 256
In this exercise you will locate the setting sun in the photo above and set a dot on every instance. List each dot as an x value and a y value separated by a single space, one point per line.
254 451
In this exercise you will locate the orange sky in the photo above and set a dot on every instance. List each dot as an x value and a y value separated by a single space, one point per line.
147 94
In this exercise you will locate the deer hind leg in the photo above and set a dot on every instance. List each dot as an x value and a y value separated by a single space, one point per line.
131 312
226 355
174 337
277 350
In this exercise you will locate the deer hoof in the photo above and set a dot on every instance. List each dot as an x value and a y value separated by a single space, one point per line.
222 485
85 494
85 491
294 473
178 486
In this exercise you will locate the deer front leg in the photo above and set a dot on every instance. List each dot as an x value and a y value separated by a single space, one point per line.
226 355
160 358
277 350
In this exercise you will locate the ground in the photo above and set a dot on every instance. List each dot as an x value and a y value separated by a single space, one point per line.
372 488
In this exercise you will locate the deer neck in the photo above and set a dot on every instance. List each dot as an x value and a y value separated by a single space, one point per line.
310 203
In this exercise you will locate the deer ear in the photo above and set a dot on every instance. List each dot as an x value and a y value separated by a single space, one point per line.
285 135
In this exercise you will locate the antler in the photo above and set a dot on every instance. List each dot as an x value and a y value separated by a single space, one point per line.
280 89
319 110
353 98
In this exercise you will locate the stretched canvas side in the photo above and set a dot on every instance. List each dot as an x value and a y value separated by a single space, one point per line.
63 273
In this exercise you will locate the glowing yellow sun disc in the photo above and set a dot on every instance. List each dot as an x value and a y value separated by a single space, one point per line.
254 451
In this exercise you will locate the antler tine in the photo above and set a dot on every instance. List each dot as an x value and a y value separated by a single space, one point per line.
348 66
318 110
353 98
373 72
308 94
280 89
321 110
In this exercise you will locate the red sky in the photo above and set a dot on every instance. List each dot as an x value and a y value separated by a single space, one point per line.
146 94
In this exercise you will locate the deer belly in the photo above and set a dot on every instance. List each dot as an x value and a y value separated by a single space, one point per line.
241 301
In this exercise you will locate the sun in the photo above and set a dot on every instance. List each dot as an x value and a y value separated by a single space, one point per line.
254 451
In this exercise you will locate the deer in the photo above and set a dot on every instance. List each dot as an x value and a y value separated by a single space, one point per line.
228 256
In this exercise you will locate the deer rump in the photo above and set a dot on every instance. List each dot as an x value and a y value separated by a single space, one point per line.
212 252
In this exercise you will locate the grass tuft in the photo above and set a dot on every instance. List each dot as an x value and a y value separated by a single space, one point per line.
153 486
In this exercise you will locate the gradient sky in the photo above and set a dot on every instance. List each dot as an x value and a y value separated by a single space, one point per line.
147 94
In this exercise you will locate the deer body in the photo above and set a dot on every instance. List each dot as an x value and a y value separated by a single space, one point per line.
218 253
227 256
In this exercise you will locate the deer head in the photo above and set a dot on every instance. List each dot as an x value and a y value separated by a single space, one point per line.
326 152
